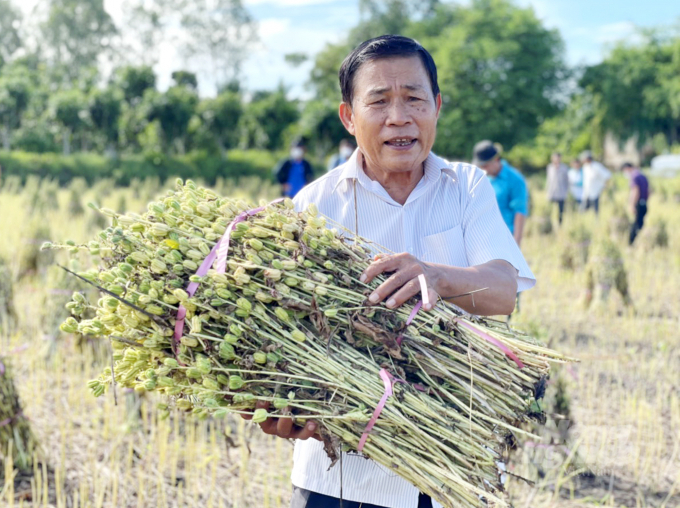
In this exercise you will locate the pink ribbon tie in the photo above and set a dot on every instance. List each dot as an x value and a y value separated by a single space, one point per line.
493 341
218 256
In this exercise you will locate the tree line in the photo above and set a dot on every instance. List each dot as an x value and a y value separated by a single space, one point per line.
502 73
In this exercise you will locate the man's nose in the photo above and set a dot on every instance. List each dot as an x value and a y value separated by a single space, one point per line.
398 114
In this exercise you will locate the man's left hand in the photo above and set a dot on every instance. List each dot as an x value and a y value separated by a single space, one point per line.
403 284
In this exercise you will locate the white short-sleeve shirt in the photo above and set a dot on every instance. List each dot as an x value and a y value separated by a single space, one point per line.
452 218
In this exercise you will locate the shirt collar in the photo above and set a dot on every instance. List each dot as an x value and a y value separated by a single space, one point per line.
352 170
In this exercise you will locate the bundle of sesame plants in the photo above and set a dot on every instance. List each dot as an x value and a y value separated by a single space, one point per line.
282 317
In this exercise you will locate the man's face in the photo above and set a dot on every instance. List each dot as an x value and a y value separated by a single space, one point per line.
556 160
493 167
393 114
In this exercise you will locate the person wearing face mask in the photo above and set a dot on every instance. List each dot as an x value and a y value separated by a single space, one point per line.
295 172
345 152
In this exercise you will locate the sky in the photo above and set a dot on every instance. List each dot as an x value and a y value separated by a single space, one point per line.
588 27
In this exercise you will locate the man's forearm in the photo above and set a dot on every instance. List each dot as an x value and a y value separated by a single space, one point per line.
499 276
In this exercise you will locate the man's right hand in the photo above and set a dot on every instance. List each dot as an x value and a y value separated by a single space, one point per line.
283 427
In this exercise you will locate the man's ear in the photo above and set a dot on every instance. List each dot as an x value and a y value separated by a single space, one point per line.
347 117
438 103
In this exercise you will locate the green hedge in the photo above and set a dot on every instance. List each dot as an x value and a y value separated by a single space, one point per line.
93 167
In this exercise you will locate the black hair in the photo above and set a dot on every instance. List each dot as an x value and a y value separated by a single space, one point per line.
626 165
385 46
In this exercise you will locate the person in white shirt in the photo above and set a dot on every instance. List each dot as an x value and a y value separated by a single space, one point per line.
441 219
576 181
595 177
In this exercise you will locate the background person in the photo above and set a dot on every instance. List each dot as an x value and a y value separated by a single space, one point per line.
637 201
557 182
595 177
295 172
391 103
509 185
575 176
346 149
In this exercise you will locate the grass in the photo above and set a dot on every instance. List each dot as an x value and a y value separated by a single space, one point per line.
622 447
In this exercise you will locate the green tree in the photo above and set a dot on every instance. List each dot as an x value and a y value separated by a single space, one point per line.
185 78
10 37
266 118
14 97
134 81
173 111
221 117
69 108
500 73
105 111
636 87
76 32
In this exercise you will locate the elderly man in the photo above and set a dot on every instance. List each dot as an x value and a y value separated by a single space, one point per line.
440 218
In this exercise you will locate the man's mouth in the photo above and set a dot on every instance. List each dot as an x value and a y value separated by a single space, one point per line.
401 142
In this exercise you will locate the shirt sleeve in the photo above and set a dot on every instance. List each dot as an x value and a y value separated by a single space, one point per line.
485 234
520 197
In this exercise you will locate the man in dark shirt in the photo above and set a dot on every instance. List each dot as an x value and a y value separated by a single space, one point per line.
295 172
639 194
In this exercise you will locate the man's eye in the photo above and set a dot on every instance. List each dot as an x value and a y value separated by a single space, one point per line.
379 101
414 99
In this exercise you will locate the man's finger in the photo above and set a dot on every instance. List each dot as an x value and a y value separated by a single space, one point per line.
394 283
284 427
407 291
381 265
309 430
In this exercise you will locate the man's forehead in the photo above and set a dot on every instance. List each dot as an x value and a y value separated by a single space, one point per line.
381 75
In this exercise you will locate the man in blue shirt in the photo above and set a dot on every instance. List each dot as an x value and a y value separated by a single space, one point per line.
294 173
511 188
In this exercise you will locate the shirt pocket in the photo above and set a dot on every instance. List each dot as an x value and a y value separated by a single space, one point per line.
446 248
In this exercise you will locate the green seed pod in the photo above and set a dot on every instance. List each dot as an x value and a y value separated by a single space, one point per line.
263 297
256 244
194 373
308 285
196 324
106 277
272 274
260 415
290 282
280 403
236 329
227 351
312 210
181 295
289 264
273 357
140 257
282 314
244 305
260 357
190 265
165 381
222 379
236 382
331 313
184 404
125 267
211 384
189 341
291 245
203 364
171 362
157 266
298 336
329 265
69 326
224 293
150 385
277 264
321 291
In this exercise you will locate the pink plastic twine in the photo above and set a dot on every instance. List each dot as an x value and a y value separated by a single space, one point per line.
492 340
389 379
218 255
2 369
